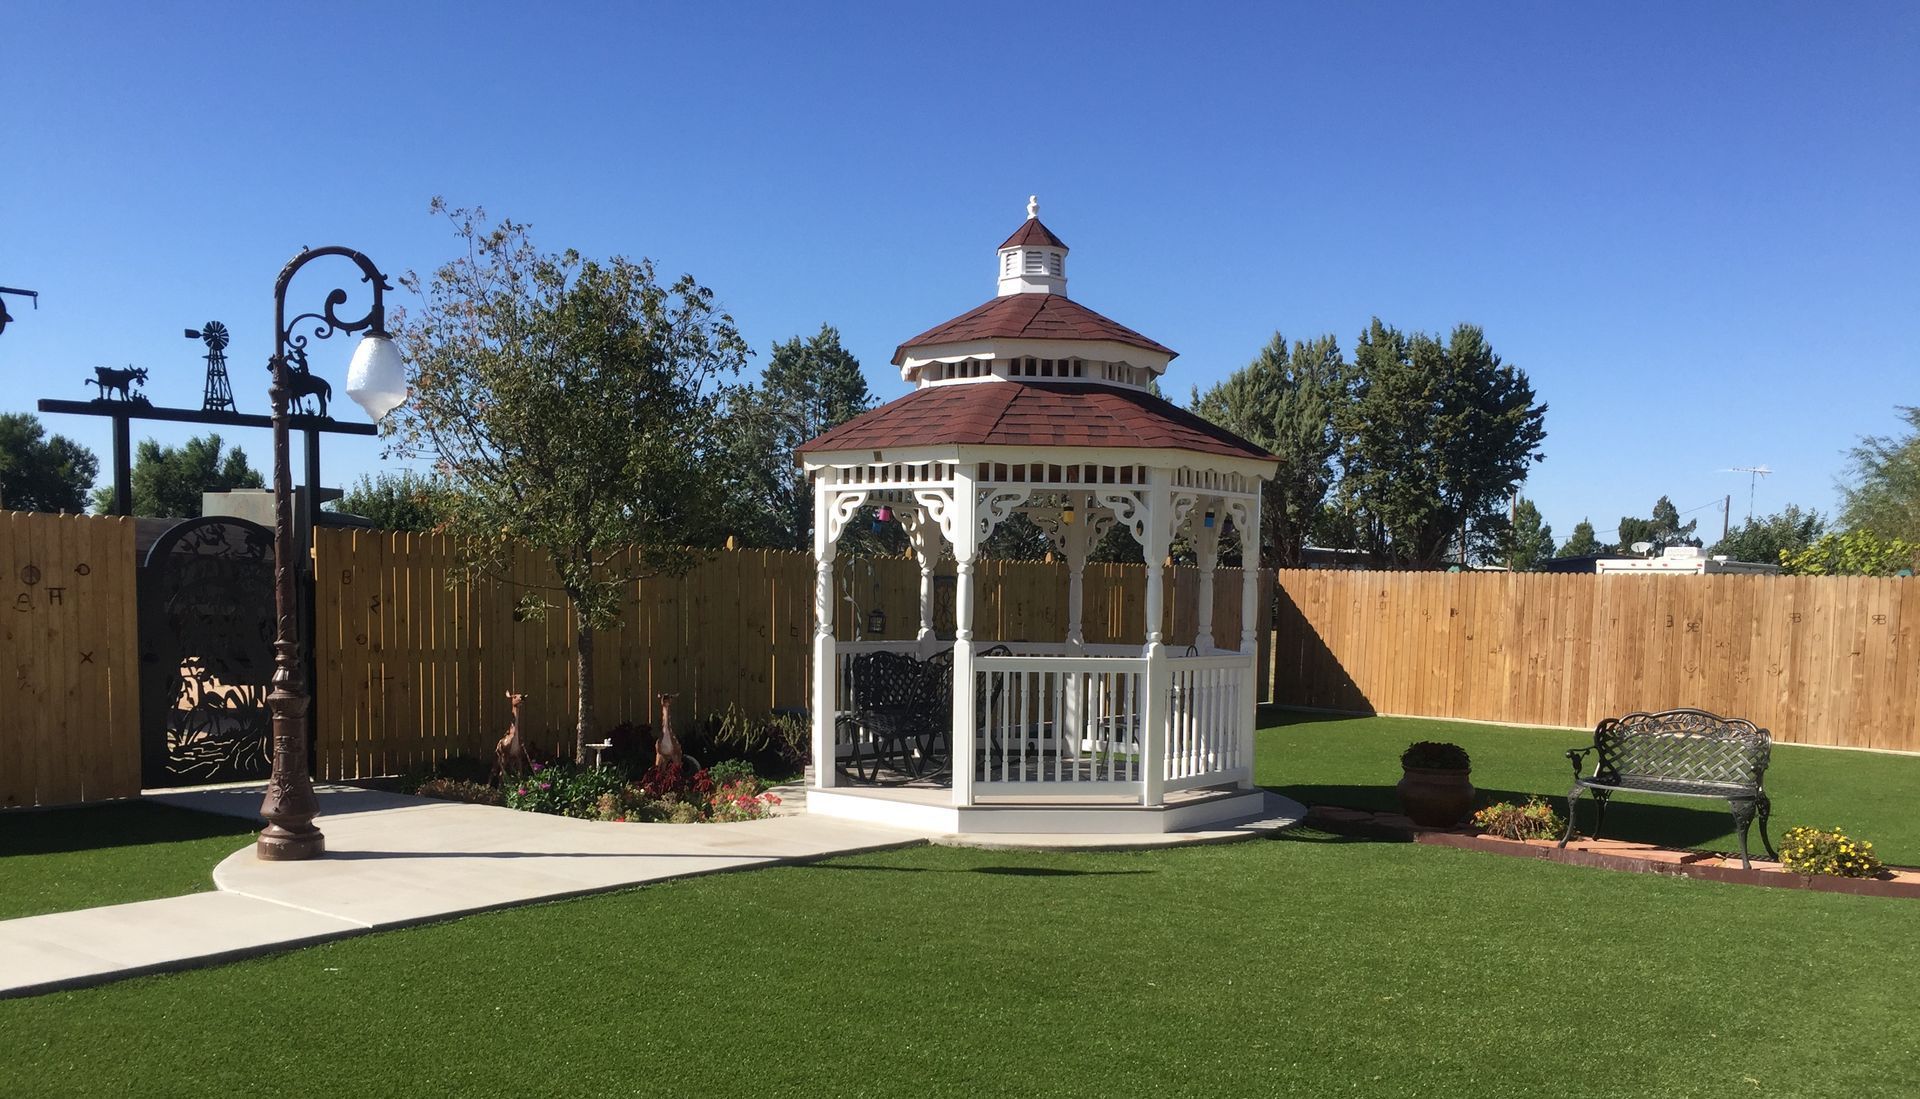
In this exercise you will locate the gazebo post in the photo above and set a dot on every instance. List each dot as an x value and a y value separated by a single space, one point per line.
826 668
1076 544
923 535
1153 718
1250 630
1206 544
965 532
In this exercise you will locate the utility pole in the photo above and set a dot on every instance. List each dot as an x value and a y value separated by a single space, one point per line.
1726 516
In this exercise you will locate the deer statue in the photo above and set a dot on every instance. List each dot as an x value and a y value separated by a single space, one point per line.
510 754
666 747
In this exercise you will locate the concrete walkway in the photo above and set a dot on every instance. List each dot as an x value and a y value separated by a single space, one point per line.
393 861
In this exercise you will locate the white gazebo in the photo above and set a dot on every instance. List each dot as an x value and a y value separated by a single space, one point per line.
1033 403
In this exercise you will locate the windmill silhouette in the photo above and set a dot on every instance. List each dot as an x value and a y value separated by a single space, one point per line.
219 394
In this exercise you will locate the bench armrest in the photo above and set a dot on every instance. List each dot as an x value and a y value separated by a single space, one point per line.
1575 755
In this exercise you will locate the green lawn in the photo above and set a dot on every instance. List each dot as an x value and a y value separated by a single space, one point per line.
63 859
1355 762
1303 965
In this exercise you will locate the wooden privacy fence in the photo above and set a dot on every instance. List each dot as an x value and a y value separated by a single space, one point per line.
1818 660
69 730
410 670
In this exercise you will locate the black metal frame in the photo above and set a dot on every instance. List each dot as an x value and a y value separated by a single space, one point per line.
1681 752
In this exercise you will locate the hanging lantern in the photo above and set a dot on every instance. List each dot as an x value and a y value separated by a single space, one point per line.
1066 515
1208 521
883 513
876 622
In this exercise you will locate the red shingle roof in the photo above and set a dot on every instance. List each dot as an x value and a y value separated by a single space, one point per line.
1032 232
1032 413
1030 317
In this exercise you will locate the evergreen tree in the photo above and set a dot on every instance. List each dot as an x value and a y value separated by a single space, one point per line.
1583 543
1285 400
167 481
1434 440
1530 541
395 501
809 386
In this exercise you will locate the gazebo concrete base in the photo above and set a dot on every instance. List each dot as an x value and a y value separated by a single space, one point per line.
930 809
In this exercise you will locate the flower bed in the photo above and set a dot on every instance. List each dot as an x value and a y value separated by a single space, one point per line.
729 791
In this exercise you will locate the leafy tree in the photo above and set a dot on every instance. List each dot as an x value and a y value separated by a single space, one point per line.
1853 553
1884 496
395 501
1434 440
1662 530
809 386
167 481
1583 543
571 405
1285 400
1530 541
1773 538
38 473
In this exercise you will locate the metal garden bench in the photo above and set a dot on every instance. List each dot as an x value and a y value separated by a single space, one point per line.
1689 753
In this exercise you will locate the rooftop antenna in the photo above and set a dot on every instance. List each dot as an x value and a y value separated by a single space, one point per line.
1754 473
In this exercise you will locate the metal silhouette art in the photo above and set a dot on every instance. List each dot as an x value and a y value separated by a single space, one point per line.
303 384
110 380
218 396
6 317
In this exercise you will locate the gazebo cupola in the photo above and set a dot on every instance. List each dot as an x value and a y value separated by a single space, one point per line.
1033 260
1033 404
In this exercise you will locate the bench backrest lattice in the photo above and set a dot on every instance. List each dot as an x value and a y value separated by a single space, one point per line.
1687 746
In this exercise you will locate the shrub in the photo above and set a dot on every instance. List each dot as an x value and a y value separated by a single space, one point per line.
1812 851
1534 820
458 789
774 744
742 800
727 772
1434 755
628 803
674 778
563 790
457 768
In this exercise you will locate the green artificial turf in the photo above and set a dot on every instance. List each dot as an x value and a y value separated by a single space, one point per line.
1355 762
58 860
1305 965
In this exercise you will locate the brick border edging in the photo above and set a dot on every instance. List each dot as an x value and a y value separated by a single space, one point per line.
1693 864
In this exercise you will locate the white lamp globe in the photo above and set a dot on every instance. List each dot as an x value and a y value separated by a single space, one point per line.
377 378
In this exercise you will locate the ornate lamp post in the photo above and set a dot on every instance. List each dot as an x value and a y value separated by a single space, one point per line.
376 379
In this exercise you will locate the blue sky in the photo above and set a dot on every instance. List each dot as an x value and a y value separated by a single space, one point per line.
1695 226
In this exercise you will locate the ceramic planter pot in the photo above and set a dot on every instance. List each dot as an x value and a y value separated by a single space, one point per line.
1435 798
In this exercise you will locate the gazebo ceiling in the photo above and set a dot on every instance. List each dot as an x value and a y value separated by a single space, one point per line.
1016 412
1030 317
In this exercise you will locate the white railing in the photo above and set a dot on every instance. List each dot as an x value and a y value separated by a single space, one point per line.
1059 724
1205 715
1068 725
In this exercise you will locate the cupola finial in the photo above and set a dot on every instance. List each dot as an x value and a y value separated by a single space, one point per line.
1033 207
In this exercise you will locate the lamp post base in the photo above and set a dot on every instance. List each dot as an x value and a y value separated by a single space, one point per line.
277 844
